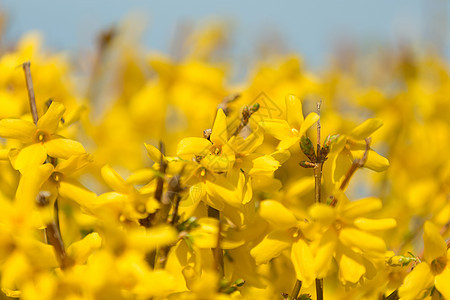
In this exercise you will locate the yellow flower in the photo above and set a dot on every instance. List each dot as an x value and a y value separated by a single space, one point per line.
350 237
435 269
39 140
214 154
289 132
352 146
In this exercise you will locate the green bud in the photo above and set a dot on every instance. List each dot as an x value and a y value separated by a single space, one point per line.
254 108
308 148
329 140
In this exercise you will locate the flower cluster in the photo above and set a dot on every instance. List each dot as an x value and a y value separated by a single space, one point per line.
160 180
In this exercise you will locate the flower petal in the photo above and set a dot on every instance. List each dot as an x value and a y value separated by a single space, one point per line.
154 153
279 129
287 143
63 148
73 164
193 146
361 207
374 225
365 129
364 241
75 192
50 120
32 155
271 246
310 120
324 253
276 214
375 161
294 111
219 135
442 283
30 184
303 260
416 283
434 243
351 266
114 180
264 165
18 129
322 213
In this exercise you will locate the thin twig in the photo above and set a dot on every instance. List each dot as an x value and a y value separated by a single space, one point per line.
319 288
162 171
53 234
318 187
31 97
319 161
296 290
246 114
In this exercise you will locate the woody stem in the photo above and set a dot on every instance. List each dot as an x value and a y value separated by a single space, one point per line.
31 97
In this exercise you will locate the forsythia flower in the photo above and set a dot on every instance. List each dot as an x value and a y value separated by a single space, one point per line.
39 140
291 130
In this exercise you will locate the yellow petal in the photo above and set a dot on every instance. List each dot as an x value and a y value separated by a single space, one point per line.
73 164
416 283
205 236
76 192
324 253
294 111
287 143
365 129
264 165
276 214
18 129
322 213
81 250
361 207
30 184
351 266
219 135
150 239
303 260
341 163
4 154
193 146
32 155
271 246
218 163
114 180
442 283
154 153
50 120
375 225
375 161
141 176
63 148
279 129
225 192
364 241
310 120
434 243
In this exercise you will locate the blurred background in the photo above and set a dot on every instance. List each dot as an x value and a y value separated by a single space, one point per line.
315 30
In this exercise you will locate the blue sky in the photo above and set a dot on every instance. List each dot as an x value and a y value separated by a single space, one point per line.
310 28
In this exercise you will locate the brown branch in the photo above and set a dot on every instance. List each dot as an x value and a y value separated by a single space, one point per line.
296 290
53 235
31 97
246 114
